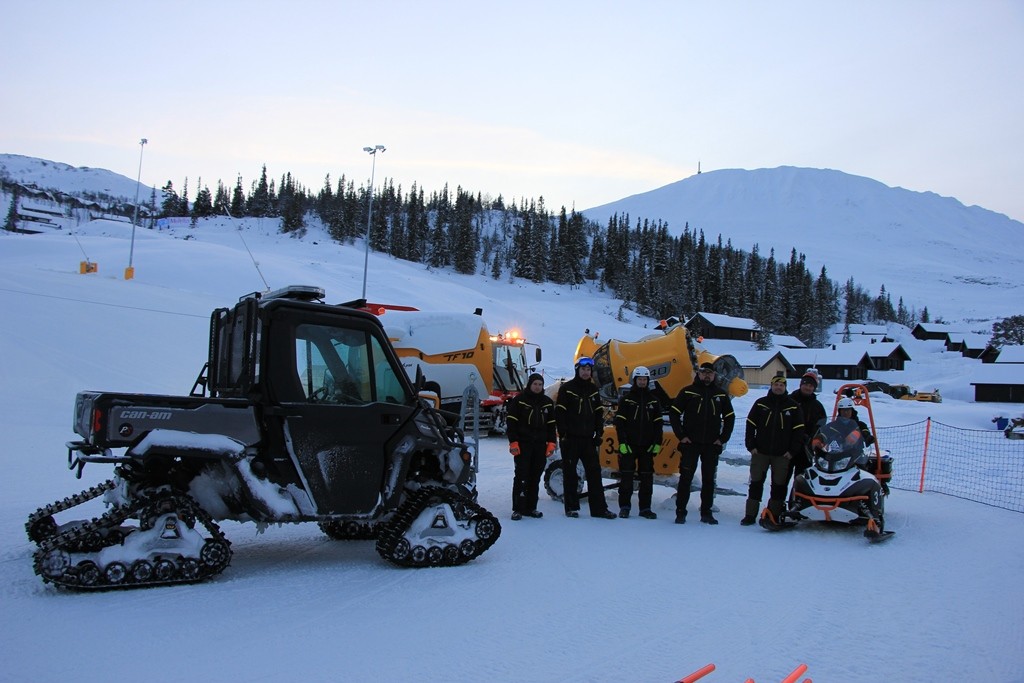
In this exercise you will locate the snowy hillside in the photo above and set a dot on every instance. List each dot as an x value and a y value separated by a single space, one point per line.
555 599
960 261
932 251
53 175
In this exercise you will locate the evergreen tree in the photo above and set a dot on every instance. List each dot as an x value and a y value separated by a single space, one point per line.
1008 332
259 200
171 203
238 199
11 222
464 242
202 207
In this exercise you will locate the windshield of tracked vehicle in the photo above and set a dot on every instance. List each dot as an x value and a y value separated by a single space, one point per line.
841 435
345 366
509 368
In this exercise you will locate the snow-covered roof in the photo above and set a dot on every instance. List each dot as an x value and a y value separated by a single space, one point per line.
989 373
1011 354
759 359
837 338
721 320
847 354
942 327
971 340
858 328
788 341
876 350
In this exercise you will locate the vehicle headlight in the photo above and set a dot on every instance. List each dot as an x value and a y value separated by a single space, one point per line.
822 463
841 464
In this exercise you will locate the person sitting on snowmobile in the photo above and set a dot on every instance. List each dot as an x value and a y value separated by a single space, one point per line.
846 409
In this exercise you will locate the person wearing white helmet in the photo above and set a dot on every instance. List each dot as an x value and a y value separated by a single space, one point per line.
846 408
638 425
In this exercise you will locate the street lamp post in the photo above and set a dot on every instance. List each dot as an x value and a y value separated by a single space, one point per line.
129 272
372 151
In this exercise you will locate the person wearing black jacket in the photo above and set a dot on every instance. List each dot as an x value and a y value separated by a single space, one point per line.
702 419
638 424
580 420
531 436
813 415
775 431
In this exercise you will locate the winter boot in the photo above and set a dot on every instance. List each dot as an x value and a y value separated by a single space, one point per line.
708 518
623 513
572 513
536 514
680 516
516 516
648 514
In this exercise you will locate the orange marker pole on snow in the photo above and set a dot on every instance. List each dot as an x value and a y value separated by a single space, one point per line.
698 674
924 457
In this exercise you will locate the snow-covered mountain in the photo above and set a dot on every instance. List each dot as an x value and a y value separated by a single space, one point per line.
960 261
54 175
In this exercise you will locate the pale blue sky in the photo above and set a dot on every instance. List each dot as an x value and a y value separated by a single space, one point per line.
579 102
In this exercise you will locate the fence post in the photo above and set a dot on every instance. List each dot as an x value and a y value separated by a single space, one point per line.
924 457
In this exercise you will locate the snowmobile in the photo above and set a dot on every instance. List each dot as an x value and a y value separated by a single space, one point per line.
843 483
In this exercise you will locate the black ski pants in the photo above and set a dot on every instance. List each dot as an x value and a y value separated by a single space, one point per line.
582 450
689 454
629 465
759 466
529 469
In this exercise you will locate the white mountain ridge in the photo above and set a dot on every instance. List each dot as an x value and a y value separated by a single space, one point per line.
930 250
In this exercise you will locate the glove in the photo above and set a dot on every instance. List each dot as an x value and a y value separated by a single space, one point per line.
625 449
513 448
654 449
550 450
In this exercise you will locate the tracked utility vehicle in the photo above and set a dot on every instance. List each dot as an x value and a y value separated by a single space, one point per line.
301 414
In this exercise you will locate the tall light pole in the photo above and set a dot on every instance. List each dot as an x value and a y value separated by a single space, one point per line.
372 151
129 272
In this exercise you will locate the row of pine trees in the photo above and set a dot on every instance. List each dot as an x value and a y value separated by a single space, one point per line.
654 272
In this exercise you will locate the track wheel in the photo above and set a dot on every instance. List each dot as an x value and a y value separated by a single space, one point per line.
189 569
141 571
164 570
435 555
401 550
486 528
451 554
215 554
419 554
55 563
467 548
88 573
554 482
115 573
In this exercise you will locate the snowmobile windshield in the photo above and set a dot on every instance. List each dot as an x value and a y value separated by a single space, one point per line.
838 446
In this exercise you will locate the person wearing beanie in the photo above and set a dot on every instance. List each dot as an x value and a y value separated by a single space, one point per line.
580 419
813 415
775 431
531 436
702 419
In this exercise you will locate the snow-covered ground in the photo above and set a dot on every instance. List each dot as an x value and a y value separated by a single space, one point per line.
555 599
